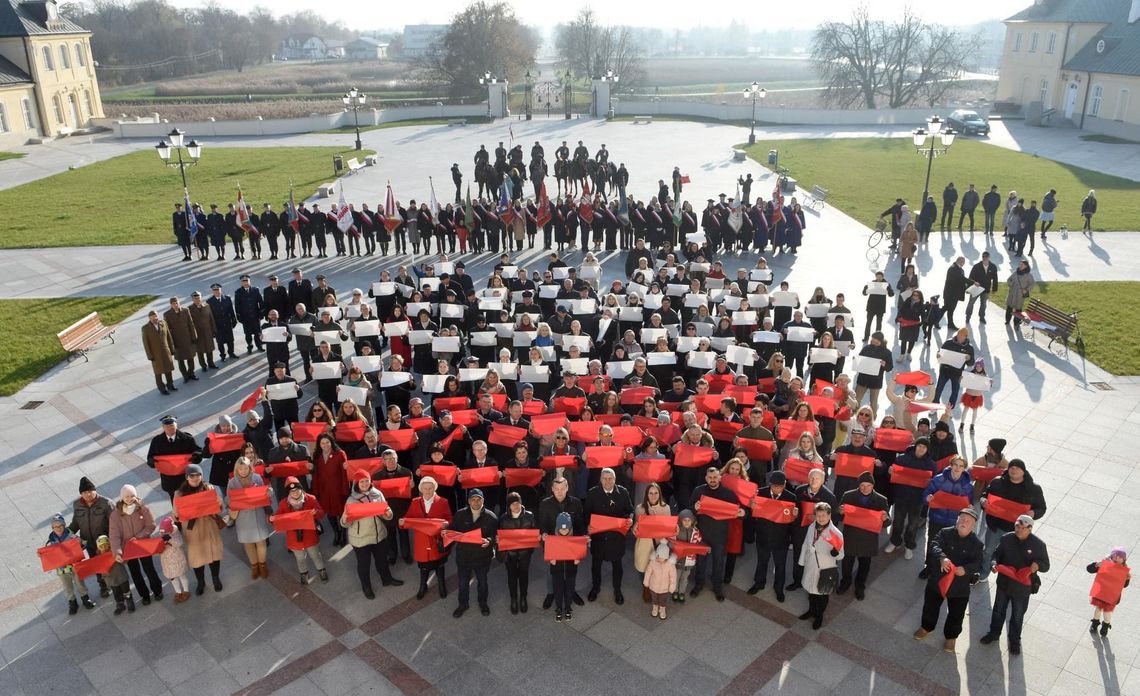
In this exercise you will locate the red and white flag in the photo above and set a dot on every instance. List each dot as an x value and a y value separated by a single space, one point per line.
343 215
543 217
243 215
392 218
585 204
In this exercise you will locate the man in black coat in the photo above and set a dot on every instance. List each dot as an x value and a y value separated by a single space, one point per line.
558 502
249 308
860 544
1017 486
271 228
954 291
874 383
713 532
225 319
607 500
954 550
172 441
969 205
474 558
235 232
949 200
276 351
638 252
276 296
773 538
1020 550
300 290
984 275
181 231
990 204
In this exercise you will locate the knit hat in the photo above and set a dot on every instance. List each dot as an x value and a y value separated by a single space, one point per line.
128 489
941 427
292 482
686 514
193 469
1018 463
58 519
166 526
777 478
924 441
663 550
997 444
563 521
429 479
103 540
1118 551
866 477
86 485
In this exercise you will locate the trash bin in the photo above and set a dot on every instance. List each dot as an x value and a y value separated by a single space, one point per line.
773 157
338 164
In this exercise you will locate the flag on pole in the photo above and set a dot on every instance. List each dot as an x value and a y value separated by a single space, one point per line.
777 205
191 219
623 205
678 213
585 207
434 204
511 131
343 215
543 217
243 215
468 212
506 214
392 218
735 217
293 215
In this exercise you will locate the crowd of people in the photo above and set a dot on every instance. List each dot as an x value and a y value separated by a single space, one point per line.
542 417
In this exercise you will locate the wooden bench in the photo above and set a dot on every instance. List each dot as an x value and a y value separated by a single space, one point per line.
1054 323
739 155
353 165
81 336
456 122
326 190
642 119
818 195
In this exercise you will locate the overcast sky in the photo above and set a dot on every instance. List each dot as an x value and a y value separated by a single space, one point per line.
369 14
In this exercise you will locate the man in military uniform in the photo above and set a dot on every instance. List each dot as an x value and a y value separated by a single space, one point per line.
201 240
317 228
457 179
603 156
181 327
271 228
181 231
205 328
235 233
581 153
225 319
322 291
254 233
366 223
563 152
275 296
216 231
300 289
287 231
248 306
305 230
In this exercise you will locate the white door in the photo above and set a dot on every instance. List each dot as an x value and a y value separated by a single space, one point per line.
1070 100
74 105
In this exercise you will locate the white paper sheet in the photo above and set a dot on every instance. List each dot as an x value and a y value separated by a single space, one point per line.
357 394
848 319
636 289
472 374
522 339
603 325
702 361
676 289
393 379
763 275
650 335
732 302
697 267
975 290
334 312
759 300
589 271
548 353
274 334
740 355
866 365
721 343
817 310
413 308
579 366
383 288
548 292
396 328
876 288
619 369
824 355
630 314
430 281
687 343
656 358
333 338
300 329
484 338
801 334
503 329
583 342
784 298
582 307
326 370
694 300
534 373
952 358
368 363
442 267
433 384
281 392
419 337
507 370
451 311
704 328
976 382
445 344
560 272
766 336
746 317
366 327
714 283
353 311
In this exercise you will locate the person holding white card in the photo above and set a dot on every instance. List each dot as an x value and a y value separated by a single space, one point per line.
974 397
285 393
276 349
821 368
872 380
422 360
326 368
793 345
956 353
877 292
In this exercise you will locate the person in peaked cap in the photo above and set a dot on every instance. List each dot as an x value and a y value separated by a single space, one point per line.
474 558
172 441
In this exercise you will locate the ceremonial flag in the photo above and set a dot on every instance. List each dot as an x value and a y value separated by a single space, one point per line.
343 214
623 205
506 214
543 217
735 217
191 219
678 213
243 215
656 526
468 211
433 205
392 218
585 205
777 205
292 213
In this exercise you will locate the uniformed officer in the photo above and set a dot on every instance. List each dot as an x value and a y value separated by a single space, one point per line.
249 308
271 228
181 231
225 319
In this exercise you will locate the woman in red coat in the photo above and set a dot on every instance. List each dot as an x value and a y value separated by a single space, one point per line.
303 543
399 344
330 483
426 549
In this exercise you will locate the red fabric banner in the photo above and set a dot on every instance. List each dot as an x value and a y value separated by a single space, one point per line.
797 469
553 461
745 490
718 383
499 402
600 524
564 548
821 406
307 432
767 385
760 450
506 435
483 476
635 396
350 431
225 442
835 540
906 476
611 419
249 498
851 465
685 548
586 382
287 469
708 403
985 474
247 405
893 439
518 539
644 422
99 564
817 387
353 467
666 434
468 417
778 511
195 505
584 431
917 378
142 548
942 500
431 526
651 470
399 440
449 403
602 457
745 396
297 521
444 474
358 511
692 456
947 580
724 431
547 423
656 526
400 487
171 464
807 512
1108 584
523 478
534 407
792 429
1022 575
1003 509
628 435
570 405
64 553
717 509
421 423
862 518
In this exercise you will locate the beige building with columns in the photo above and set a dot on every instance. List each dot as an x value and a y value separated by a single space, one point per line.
1079 58
47 76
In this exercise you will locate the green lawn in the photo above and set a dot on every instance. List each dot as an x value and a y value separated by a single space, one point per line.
1105 313
129 199
865 175
401 124
10 155
28 353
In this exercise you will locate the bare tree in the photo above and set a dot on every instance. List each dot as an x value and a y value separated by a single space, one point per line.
588 49
847 56
483 37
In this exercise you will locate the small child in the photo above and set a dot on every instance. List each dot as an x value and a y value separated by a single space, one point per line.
565 573
173 559
972 399
67 577
687 531
933 313
117 579
1102 614
661 579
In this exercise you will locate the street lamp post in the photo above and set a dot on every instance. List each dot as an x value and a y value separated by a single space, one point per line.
569 96
934 131
354 100
754 91
193 151
611 77
487 80
526 95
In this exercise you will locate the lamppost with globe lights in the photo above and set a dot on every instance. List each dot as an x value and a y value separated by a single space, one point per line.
754 91
527 93
611 77
354 100
486 80
176 141
569 97
934 132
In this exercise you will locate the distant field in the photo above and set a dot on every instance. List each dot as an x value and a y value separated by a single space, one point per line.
10 155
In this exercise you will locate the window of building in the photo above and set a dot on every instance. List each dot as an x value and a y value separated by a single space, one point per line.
1033 42
1045 93
48 65
26 107
64 58
3 119
1051 47
57 103
87 102
1017 42
80 55
1094 104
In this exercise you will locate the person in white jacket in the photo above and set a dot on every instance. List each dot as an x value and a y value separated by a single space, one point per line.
820 556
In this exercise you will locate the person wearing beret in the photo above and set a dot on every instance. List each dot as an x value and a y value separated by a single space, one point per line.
172 440
956 550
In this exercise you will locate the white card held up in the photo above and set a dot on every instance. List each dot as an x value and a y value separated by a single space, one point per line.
658 358
472 374
704 328
419 337
404 289
652 301
674 331
507 370
352 311
579 366
745 317
547 353
396 328
784 298
801 334
589 271
451 311
721 343
630 314
697 238
740 355
366 327
484 338
560 272
824 355
766 336
334 312
731 302
433 384
716 295
509 271
358 394
759 300
762 275
696 267
431 282
490 304
394 379
503 329
817 310
650 335
844 348
327 370
866 365
582 307
413 309
976 382
281 392
636 289
676 289
705 360
619 369
383 288
694 300
687 343
714 283
300 329
522 339
952 358
876 288
274 334
603 326
333 338
548 292
445 344
583 342
534 373
447 267
369 363
517 296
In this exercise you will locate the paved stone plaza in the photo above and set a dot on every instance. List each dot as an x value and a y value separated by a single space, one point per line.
275 637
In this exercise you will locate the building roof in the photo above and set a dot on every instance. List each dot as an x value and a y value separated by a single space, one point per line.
1065 11
1121 54
11 75
367 40
20 18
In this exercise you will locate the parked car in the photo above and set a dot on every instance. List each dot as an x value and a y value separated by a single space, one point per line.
968 122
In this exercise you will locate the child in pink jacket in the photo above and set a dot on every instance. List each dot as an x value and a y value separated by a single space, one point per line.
661 579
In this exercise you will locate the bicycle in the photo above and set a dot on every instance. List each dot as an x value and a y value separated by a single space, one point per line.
878 234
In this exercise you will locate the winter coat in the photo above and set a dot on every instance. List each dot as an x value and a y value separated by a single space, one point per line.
714 531
661 576
299 540
471 555
1019 286
425 548
908 243
330 483
881 353
860 542
1026 492
909 495
954 289
609 545
367 530
775 536
816 555
203 538
251 526
183 333
943 481
184 443
525 520
966 552
643 549
91 521
159 347
173 556
1016 553
204 327
123 527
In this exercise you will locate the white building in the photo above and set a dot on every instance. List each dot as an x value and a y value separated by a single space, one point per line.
418 38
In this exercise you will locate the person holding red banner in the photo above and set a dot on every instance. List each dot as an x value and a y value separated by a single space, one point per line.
739 529
222 464
426 549
756 430
953 481
116 578
573 474
563 574
71 583
773 537
290 453
399 540
471 558
549 511
1014 486
517 517
807 495
652 503
953 561
686 479
252 526
845 456
1019 551
367 535
803 448
991 459
303 543
863 512
172 441
607 499
91 518
820 557
132 519
330 483
478 459
350 412
714 532
907 497
1112 576
203 535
